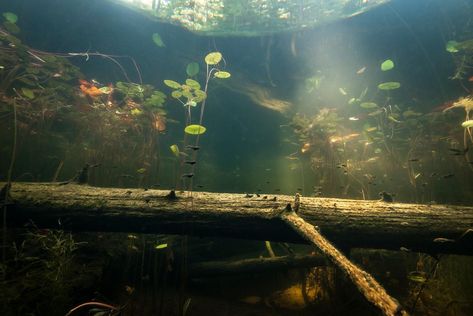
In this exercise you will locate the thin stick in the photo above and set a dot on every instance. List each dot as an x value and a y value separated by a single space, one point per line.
7 187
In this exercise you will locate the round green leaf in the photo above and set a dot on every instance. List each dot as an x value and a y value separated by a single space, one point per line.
158 40
222 74
195 129
192 69
172 84
176 94
391 85
452 47
10 17
199 95
368 105
388 64
213 58
193 84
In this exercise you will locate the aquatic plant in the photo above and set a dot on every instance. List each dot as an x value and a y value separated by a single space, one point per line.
391 85
158 40
190 94
388 64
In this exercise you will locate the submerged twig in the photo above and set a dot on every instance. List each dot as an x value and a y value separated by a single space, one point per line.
8 185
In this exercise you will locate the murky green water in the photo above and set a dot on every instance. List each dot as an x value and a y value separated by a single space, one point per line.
346 99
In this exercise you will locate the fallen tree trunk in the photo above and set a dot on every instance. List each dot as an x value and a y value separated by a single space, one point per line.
346 223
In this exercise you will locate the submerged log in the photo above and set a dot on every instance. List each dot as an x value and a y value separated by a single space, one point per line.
364 282
256 265
346 223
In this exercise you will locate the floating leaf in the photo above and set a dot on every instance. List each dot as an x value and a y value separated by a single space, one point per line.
175 150
195 129
368 105
10 17
388 64
199 95
187 94
193 84
172 84
161 246
467 124
222 74
452 47
176 94
391 85
192 69
27 93
213 58
158 40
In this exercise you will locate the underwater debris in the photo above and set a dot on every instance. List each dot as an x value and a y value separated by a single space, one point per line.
361 70
171 195
458 152
160 246
441 240
386 197
193 147
417 276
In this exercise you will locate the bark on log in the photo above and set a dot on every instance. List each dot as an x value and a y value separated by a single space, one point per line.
346 223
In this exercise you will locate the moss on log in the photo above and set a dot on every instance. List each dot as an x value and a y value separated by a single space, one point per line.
346 223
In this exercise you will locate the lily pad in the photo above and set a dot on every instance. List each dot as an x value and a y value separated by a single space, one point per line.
193 84
222 74
10 17
369 105
172 84
176 94
192 69
391 85
213 58
199 95
452 46
388 64
195 129
158 40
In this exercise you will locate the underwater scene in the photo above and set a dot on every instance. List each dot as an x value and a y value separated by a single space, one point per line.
236 157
